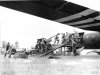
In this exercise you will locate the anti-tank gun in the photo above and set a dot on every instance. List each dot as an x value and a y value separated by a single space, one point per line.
43 44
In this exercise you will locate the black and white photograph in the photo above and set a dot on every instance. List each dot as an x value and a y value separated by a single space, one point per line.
49 37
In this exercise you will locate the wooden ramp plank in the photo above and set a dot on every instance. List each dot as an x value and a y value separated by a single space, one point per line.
56 47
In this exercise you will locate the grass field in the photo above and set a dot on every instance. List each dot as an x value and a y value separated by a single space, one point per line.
65 65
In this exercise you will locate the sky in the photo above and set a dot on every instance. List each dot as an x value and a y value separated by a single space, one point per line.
26 29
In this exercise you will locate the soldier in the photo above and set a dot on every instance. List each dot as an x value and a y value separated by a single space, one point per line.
67 37
38 45
63 38
63 41
12 50
44 45
74 43
76 35
7 48
56 40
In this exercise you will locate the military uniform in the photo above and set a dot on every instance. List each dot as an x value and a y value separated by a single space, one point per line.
7 49
56 39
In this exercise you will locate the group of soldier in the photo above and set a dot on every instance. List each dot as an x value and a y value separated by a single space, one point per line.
69 39
66 37
9 49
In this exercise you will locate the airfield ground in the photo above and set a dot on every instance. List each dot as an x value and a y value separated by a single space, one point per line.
65 65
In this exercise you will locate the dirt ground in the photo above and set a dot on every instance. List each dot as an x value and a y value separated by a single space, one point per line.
65 65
